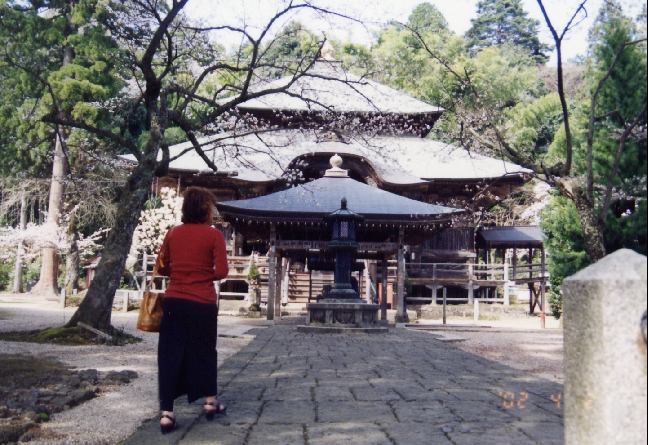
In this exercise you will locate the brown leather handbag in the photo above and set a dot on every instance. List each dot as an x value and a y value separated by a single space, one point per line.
150 312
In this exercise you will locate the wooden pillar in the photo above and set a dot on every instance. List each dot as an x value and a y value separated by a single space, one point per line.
445 300
280 280
435 285
471 290
530 262
514 263
285 280
401 312
272 274
487 260
383 289
542 287
507 293
367 284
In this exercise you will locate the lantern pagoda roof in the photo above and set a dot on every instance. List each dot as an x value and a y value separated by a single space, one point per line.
317 199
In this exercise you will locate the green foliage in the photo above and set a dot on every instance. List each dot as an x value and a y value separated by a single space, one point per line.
629 229
59 59
31 274
555 303
402 62
426 17
532 125
356 58
561 224
503 77
621 99
6 275
291 48
505 22
253 273
154 202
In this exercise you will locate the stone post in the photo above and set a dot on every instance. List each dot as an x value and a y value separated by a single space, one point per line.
605 352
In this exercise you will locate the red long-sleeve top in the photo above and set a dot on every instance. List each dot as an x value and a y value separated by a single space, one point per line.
193 256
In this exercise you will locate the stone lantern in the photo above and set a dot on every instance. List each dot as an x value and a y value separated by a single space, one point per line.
341 309
343 223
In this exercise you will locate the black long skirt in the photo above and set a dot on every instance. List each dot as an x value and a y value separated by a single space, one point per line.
187 360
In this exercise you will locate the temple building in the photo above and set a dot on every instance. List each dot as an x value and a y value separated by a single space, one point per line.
274 187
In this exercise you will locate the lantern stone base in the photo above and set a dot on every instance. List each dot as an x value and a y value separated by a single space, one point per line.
343 316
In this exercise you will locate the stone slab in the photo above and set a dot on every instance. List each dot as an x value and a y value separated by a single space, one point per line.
276 435
406 433
287 386
605 353
322 329
291 412
352 432
340 412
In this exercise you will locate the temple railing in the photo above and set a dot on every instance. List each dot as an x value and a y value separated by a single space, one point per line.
477 273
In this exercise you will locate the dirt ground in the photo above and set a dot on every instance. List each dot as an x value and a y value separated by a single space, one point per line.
518 343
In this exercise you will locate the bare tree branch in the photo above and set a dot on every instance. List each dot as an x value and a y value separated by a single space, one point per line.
569 149
607 197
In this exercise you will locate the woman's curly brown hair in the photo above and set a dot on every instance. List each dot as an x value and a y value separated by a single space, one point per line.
198 206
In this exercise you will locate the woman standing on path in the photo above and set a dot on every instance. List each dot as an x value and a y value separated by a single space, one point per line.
193 256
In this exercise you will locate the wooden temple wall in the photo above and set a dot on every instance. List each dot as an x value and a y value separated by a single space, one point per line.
302 285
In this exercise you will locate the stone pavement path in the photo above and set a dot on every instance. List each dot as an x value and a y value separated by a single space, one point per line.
403 387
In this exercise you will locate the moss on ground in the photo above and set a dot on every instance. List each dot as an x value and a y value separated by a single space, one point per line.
63 335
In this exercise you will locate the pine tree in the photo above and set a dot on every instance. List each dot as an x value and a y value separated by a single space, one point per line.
615 101
57 62
426 17
501 22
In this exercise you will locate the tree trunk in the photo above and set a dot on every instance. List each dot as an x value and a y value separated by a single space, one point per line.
592 231
18 266
96 308
47 283
72 263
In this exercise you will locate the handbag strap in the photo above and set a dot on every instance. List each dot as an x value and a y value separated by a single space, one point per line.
151 281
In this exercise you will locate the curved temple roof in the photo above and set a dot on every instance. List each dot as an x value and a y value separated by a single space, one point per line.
321 197
327 87
265 157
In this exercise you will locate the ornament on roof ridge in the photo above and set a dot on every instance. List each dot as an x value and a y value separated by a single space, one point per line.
335 171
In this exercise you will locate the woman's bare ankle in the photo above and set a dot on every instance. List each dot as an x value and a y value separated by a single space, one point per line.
164 416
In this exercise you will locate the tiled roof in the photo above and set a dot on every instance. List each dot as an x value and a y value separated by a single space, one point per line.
396 160
524 236
326 86
322 197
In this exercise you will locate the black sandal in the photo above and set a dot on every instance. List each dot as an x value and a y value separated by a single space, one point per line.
218 408
168 427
